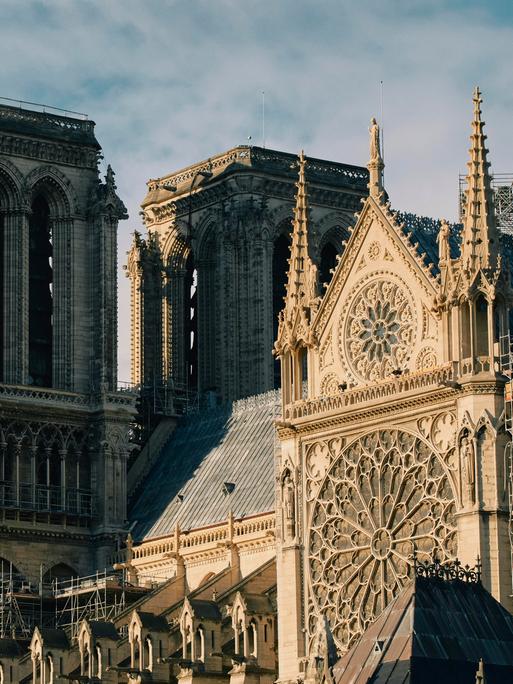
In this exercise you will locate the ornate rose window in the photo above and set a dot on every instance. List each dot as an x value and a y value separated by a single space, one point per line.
379 330
386 495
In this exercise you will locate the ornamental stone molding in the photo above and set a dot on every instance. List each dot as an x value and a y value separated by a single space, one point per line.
385 497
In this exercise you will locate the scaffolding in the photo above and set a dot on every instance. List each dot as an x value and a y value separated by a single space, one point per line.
502 186
506 365
101 597
22 605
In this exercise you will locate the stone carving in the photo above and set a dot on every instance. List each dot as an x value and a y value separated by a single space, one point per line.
386 496
379 330
329 385
326 353
374 250
468 465
426 359
443 431
375 154
443 243
288 505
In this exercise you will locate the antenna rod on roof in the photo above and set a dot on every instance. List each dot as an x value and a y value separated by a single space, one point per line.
382 122
263 119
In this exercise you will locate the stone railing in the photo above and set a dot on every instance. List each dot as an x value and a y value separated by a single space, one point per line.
58 121
123 396
377 391
242 530
53 396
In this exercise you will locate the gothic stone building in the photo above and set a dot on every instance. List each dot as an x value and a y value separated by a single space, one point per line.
63 425
208 281
392 437
305 553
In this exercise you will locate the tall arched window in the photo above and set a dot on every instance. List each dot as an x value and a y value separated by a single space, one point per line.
281 255
40 294
191 322
328 262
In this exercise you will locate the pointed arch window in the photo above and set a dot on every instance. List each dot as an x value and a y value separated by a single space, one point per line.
40 294
191 322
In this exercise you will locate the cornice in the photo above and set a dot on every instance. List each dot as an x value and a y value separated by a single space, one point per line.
392 406
255 183
76 155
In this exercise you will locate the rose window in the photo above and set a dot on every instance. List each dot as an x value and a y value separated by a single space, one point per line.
379 330
386 496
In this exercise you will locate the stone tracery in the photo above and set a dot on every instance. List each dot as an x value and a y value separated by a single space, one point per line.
384 497
379 329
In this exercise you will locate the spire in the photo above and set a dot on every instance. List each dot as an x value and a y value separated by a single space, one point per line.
480 239
376 163
302 276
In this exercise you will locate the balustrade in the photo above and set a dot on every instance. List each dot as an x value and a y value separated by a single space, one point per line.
26 496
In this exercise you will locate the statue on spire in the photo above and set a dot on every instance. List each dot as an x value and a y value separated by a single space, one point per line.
375 164
375 147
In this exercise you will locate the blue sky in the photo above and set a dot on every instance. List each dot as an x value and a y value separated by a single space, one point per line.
172 82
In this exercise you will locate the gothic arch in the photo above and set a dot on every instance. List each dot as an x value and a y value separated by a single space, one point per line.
175 250
56 188
11 184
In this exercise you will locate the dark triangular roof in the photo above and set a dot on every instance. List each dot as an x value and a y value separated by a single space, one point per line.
435 631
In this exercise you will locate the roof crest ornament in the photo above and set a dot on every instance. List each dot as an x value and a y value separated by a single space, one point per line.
376 164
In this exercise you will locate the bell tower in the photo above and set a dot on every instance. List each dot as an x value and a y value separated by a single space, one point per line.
63 422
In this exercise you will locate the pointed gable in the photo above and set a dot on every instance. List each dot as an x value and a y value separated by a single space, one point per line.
376 317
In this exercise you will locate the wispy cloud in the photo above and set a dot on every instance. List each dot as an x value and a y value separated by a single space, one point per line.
171 82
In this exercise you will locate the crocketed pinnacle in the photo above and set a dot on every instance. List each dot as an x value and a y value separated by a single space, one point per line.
480 241
301 284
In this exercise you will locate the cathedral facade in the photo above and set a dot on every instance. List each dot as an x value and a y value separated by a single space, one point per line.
63 423
392 436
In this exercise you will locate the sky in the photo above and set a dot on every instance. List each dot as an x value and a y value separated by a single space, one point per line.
173 82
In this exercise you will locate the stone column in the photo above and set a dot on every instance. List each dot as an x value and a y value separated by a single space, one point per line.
62 356
62 455
15 293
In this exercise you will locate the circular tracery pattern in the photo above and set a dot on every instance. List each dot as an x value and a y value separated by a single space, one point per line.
379 330
385 496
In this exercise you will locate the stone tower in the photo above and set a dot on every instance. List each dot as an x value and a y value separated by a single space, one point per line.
63 424
208 281
392 437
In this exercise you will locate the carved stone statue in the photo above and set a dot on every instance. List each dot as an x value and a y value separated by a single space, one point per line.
289 506
443 243
468 461
375 151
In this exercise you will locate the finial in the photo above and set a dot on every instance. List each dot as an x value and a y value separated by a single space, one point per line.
376 164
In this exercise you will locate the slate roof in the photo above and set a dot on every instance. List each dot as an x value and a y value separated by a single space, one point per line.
155 623
54 638
9 648
206 610
103 630
234 443
434 631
